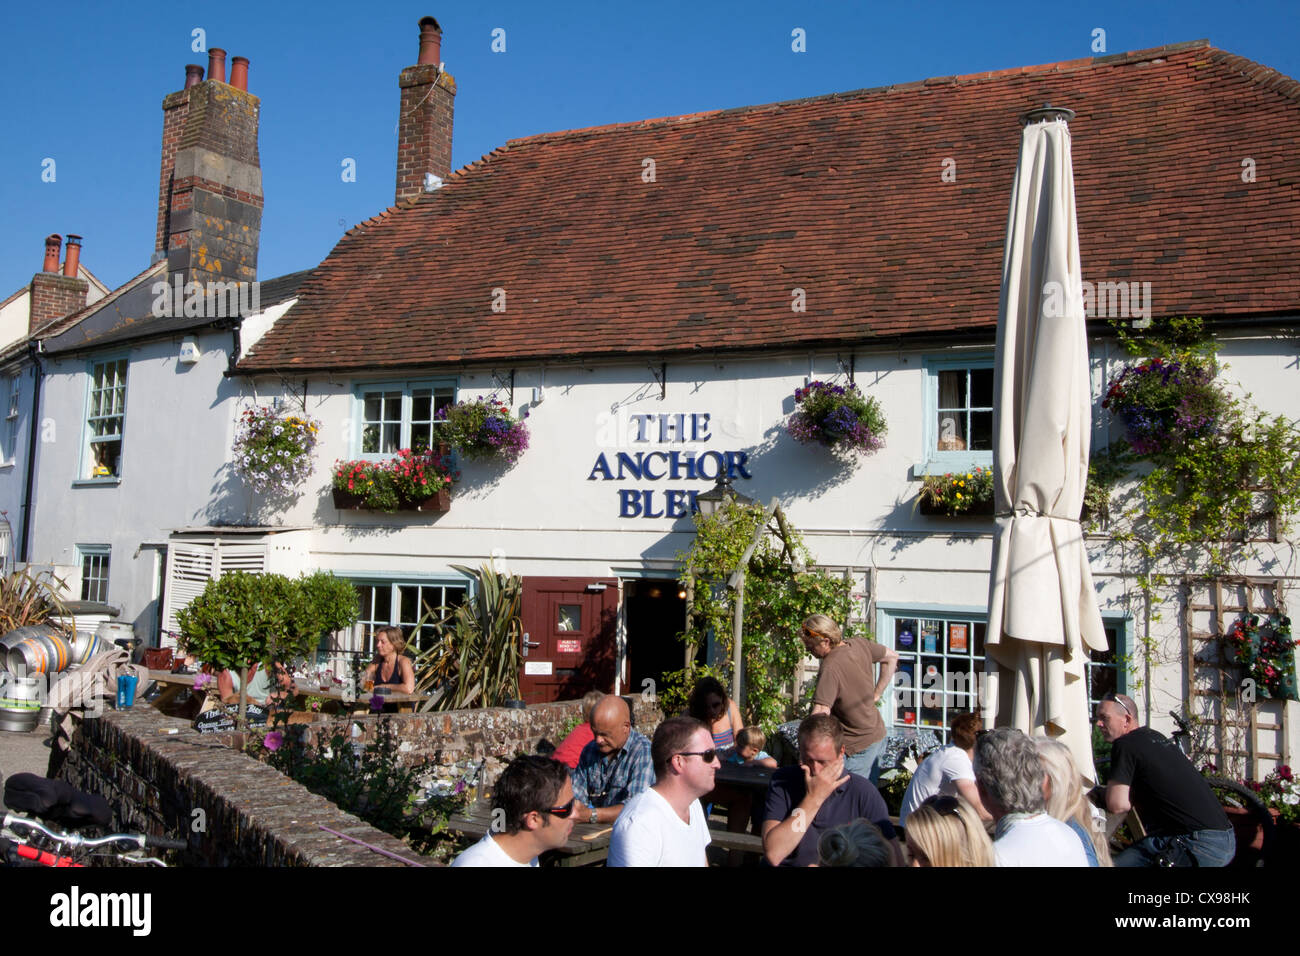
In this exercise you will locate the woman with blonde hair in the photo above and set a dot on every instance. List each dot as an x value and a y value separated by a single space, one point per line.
1067 802
391 669
946 831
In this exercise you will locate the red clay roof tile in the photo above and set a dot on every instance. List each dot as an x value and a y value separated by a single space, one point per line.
841 196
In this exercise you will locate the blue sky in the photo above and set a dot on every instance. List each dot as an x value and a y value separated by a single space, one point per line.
83 85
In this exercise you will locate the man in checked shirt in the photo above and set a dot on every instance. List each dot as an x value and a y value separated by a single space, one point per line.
614 767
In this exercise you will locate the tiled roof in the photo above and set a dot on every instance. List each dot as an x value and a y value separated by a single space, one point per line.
841 196
127 314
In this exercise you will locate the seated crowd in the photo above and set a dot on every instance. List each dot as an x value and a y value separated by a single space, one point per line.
995 798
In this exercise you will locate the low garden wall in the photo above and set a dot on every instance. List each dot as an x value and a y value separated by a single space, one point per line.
465 745
233 809
238 811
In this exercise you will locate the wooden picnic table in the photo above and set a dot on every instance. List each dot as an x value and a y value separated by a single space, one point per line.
173 684
587 844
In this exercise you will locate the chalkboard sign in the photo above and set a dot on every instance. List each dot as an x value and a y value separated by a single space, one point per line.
214 722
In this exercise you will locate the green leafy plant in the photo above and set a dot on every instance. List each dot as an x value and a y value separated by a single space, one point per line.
959 492
838 416
781 589
27 598
273 452
410 478
368 781
1266 652
476 660
1200 490
483 429
242 619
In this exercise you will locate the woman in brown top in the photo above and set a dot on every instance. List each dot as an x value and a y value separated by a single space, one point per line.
848 688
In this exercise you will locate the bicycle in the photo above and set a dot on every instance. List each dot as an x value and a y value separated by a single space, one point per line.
25 841
1231 795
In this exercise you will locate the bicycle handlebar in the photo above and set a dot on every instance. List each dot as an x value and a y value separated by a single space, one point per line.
137 841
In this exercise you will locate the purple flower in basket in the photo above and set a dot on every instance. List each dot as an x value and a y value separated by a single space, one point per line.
273 740
201 681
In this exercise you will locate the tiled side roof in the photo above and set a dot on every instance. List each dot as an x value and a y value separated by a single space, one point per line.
841 196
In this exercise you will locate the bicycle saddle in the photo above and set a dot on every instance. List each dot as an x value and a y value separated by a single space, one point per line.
55 801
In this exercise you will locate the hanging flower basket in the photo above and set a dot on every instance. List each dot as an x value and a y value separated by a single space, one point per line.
273 452
409 482
1165 403
957 493
483 430
839 417
1266 652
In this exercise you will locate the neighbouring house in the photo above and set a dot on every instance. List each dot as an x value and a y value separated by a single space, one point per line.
135 409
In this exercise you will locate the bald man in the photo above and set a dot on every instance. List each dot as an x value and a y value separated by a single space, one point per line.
614 767
1185 823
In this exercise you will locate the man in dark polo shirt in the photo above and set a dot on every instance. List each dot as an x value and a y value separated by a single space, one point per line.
1185 823
848 689
804 802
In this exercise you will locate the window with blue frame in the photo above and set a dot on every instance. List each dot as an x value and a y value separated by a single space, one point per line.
397 415
417 607
105 417
941 658
959 413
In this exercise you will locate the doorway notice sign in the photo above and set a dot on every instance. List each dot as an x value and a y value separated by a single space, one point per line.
537 668
566 646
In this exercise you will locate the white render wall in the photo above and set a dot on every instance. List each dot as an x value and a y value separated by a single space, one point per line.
174 469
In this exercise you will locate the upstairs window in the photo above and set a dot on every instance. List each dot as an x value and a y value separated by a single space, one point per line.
105 418
959 414
10 448
400 415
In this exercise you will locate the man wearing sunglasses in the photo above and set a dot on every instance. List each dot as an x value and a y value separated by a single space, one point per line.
665 825
532 811
1185 823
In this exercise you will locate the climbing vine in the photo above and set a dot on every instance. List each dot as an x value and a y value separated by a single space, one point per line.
781 589
1206 467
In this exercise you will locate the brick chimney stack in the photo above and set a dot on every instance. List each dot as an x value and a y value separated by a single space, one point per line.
425 119
210 182
53 295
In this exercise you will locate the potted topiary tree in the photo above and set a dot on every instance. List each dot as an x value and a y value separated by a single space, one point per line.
242 619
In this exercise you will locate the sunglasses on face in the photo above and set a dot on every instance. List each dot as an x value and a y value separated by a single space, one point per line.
708 756
563 811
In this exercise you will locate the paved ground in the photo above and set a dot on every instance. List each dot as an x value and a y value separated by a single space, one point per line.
24 753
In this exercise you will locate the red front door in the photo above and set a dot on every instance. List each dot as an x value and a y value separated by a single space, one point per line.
570 625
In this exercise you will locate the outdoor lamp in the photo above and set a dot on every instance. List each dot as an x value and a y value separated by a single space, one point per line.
712 501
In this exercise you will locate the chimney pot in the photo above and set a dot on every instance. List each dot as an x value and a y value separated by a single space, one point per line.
73 258
193 75
52 244
430 42
239 73
217 64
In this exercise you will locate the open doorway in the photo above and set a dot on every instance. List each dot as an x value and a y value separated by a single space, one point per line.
656 614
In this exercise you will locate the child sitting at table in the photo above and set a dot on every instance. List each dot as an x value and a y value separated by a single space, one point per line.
749 751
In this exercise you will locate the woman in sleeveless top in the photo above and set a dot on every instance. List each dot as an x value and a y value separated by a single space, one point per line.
710 704
391 668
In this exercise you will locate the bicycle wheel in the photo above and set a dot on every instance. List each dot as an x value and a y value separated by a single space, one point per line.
1234 796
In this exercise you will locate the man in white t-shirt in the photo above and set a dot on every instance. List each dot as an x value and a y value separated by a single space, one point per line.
949 771
532 811
1013 786
665 825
